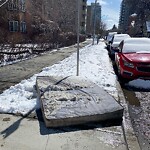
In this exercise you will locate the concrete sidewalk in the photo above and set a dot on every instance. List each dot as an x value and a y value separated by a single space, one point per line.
18 133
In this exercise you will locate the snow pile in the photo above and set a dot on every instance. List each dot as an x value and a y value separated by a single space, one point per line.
94 65
140 84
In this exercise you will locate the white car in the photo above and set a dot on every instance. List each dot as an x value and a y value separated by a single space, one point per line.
117 38
109 39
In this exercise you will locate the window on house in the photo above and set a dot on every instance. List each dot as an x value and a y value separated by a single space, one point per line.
10 6
13 26
83 24
13 5
22 5
83 16
83 7
23 27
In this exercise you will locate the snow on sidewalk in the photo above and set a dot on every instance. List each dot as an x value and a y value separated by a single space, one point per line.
94 65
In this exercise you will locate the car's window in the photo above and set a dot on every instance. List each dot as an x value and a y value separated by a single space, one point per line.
136 48
120 38
110 36
136 45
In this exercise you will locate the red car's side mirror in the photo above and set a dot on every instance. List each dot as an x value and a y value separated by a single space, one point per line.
119 50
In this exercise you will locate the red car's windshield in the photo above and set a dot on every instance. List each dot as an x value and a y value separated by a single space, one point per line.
136 48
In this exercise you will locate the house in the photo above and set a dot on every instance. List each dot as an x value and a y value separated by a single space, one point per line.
15 20
24 20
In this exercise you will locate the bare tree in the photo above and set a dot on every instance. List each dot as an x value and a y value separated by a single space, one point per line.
142 9
102 30
64 13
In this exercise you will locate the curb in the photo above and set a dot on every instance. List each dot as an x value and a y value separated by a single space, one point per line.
128 131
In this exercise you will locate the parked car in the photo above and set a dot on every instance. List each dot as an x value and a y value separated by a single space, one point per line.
133 59
109 39
117 38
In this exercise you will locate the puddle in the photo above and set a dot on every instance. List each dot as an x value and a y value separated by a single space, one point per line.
131 98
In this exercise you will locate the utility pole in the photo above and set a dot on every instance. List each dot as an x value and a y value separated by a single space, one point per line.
78 32
94 21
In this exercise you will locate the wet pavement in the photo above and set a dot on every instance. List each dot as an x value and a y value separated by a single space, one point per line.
139 110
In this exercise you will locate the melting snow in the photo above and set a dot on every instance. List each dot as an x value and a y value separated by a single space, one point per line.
94 65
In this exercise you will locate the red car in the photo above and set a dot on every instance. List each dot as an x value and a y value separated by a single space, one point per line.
133 59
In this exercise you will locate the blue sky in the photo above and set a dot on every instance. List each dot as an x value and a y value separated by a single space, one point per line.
110 11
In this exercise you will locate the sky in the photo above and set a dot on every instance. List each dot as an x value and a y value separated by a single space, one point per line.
110 11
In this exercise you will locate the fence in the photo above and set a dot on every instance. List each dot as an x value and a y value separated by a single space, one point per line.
21 51
13 52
